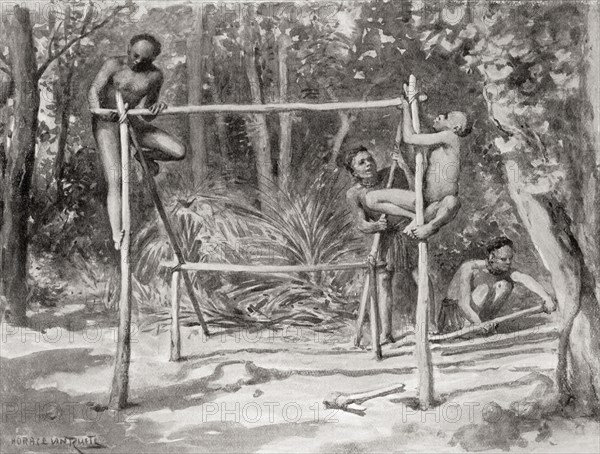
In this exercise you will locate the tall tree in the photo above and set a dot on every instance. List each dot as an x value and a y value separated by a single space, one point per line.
215 85
63 88
195 78
539 68
19 166
20 157
284 43
257 123
559 214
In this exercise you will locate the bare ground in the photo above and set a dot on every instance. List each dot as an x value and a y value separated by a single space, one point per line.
262 391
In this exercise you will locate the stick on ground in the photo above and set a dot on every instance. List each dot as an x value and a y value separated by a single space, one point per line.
351 402
408 338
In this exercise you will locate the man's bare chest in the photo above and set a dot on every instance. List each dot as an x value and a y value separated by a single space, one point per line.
443 156
129 82
484 277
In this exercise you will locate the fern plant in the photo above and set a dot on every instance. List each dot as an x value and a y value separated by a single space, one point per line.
308 225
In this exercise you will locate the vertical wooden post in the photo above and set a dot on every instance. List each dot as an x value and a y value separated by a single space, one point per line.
374 311
377 240
422 349
175 333
362 309
120 384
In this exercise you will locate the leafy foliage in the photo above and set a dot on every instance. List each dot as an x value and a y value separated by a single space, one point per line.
304 227
514 68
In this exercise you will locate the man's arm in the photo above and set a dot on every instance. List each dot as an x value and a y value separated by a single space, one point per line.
412 138
361 218
464 298
103 77
533 285
150 101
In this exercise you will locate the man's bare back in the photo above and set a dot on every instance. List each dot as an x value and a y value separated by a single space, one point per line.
441 178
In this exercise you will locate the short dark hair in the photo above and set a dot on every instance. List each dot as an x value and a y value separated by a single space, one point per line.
151 39
349 155
464 132
499 242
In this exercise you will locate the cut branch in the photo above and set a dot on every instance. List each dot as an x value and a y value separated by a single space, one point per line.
267 269
52 39
266 108
469 330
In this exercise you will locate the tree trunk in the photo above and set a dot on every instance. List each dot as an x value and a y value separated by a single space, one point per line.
64 101
195 74
578 372
8 122
220 119
62 90
347 119
285 118
566 236
19 167
590 186
258 132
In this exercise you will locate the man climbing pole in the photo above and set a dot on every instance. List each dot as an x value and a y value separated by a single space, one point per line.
441 178
362 166
139 81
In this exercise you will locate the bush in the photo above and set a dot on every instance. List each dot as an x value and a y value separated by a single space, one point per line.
306 226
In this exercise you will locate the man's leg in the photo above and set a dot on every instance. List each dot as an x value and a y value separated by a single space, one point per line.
384 285
384 282
109 147
497 296
396 202
437 214
159 145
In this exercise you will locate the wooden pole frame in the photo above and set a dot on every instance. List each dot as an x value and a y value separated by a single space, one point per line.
377 237
422 348
176 268
265 108
267 269
175 328
170 233
374 312
120 384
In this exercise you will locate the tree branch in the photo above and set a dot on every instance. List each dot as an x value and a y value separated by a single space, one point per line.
68 45
52 38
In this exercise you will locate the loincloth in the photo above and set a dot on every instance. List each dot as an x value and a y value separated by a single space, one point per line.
450 317
398 251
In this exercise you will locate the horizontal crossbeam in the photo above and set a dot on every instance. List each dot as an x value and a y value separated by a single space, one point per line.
264 108
267 269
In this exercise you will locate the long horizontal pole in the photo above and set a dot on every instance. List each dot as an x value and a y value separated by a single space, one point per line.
408 338
265 108
262 269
